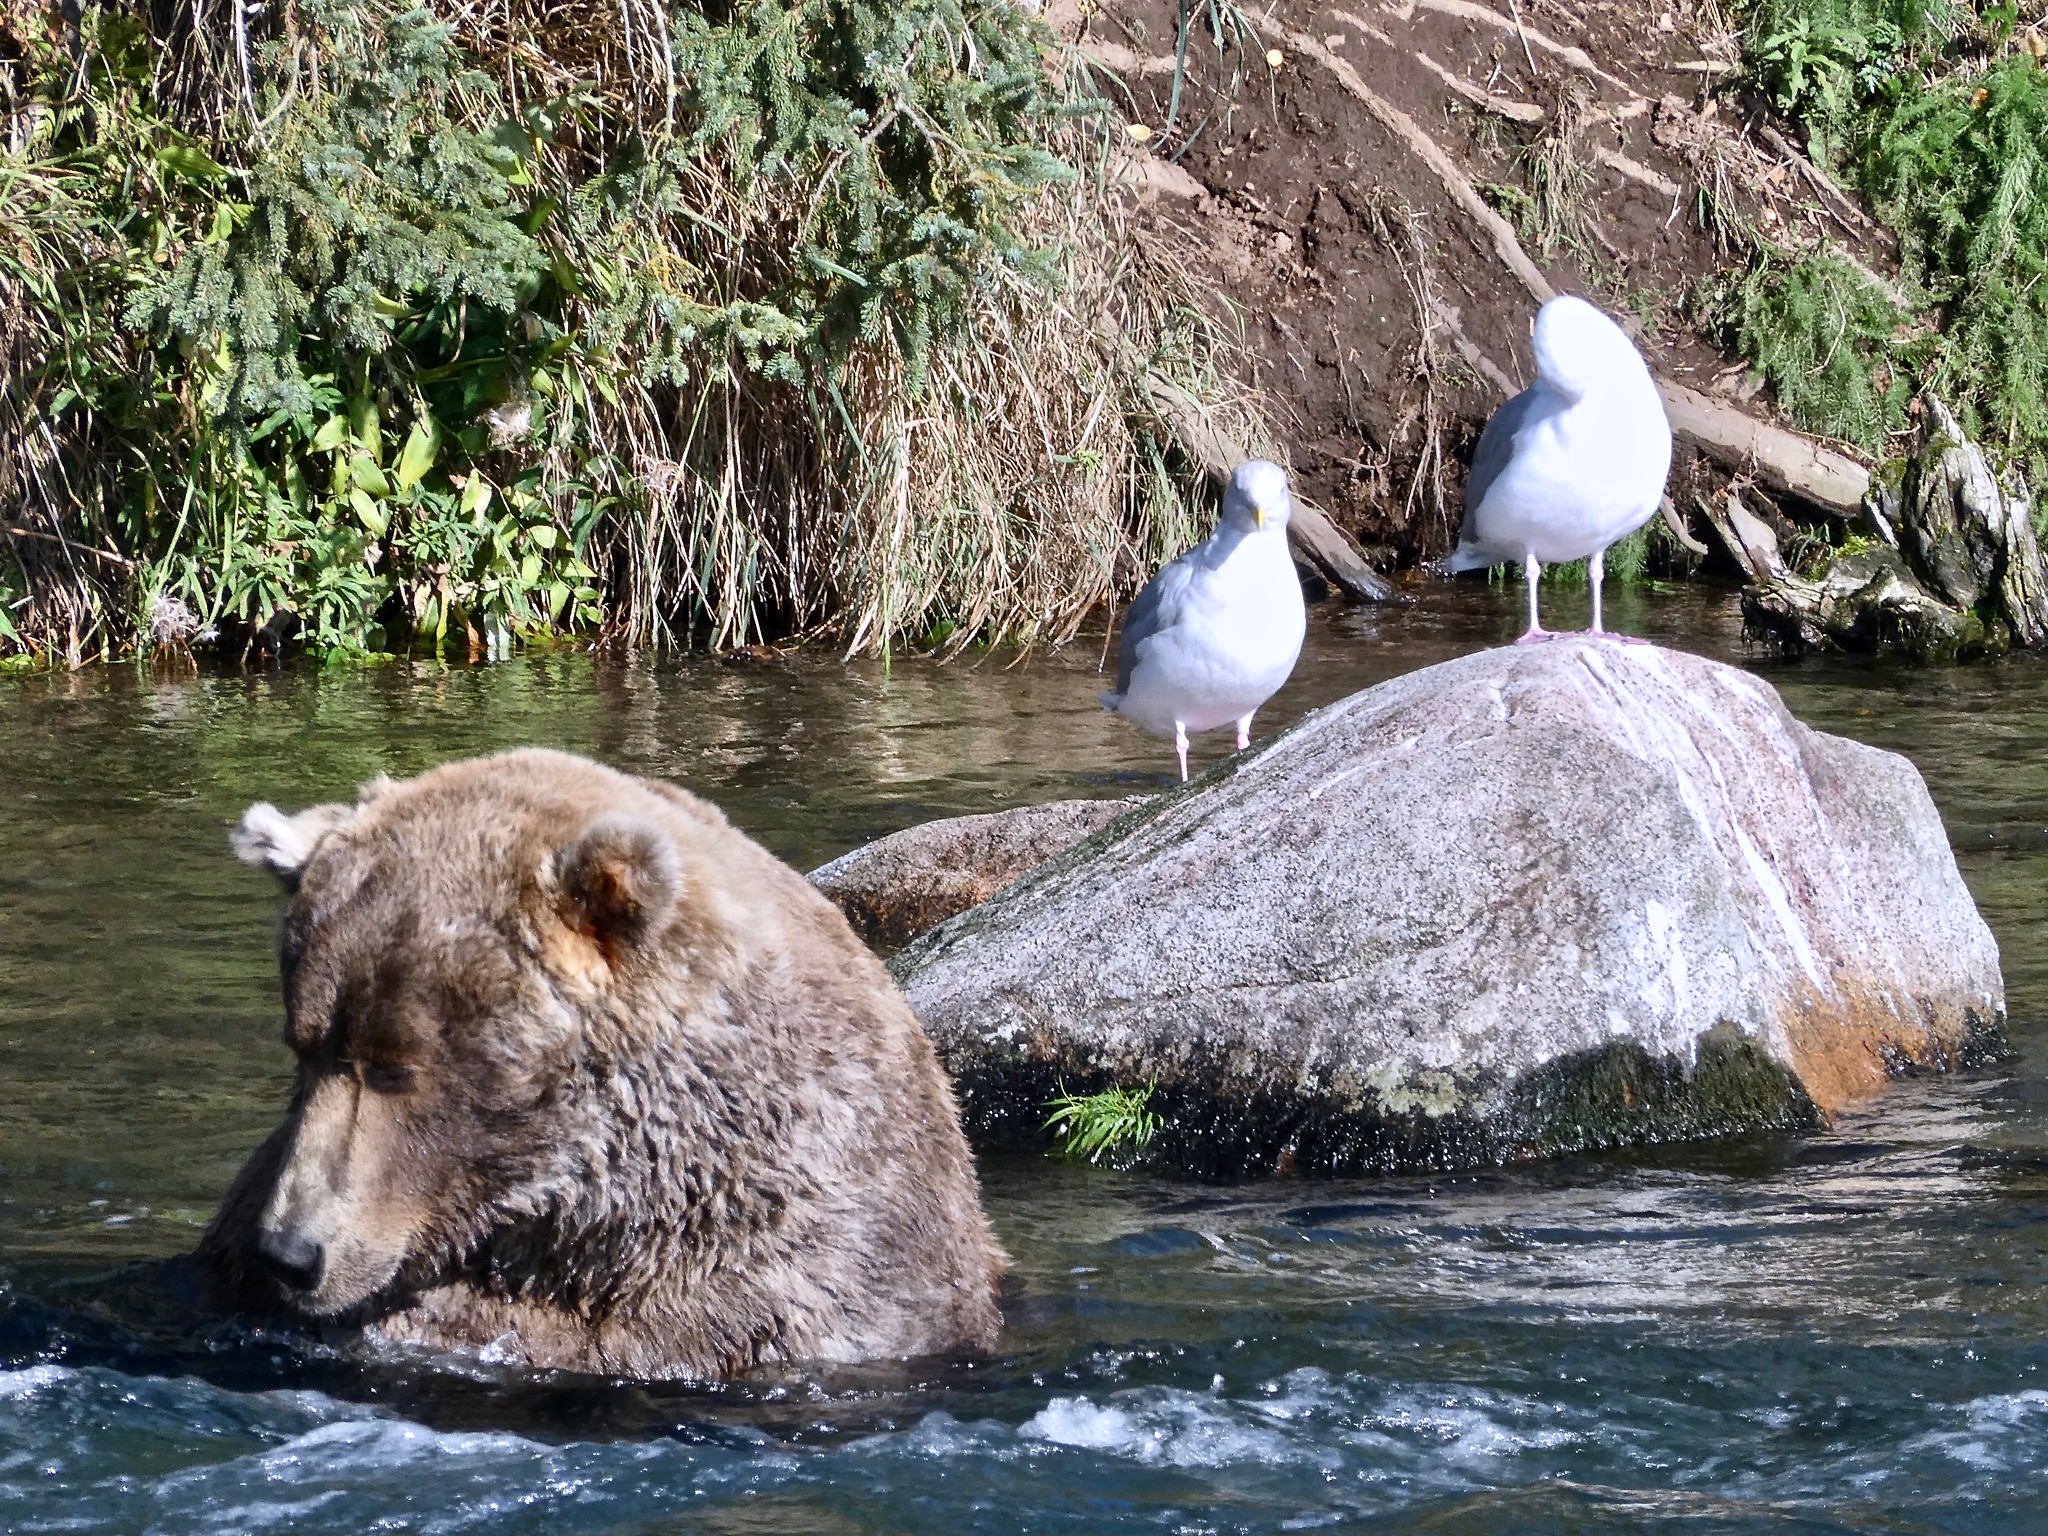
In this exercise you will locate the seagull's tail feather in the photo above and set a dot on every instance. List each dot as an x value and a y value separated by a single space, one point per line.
1470 557
1111 701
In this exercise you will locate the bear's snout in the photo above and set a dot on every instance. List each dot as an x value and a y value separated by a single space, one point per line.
291 1258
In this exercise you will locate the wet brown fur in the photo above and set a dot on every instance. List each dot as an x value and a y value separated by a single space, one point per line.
588 1077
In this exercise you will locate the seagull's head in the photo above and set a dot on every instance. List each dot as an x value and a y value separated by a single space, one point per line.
1257 497
1579 350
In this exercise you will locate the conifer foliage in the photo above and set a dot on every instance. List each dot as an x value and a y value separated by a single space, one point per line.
1937 111
465 323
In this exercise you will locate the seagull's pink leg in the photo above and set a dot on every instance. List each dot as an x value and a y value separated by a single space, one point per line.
1598 569
1244 731
1536 632
1180 747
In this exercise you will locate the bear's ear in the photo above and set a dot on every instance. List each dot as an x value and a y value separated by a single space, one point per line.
269 839
370 791
619 880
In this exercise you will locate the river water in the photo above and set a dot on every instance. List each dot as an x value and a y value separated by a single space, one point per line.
1841 1332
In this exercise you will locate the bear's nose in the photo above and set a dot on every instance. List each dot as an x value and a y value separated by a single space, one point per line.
293 1259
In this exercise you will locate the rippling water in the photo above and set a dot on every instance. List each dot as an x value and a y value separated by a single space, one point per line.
1844 1332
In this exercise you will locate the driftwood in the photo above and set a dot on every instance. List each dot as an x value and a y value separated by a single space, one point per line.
1953 570
1786 461
1315 541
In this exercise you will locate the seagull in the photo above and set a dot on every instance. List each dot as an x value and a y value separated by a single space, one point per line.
1571 464
1217 631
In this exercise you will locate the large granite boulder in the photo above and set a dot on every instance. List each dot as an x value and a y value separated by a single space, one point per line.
1528 902
896 887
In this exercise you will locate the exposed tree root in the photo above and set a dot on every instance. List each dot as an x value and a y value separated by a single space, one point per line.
1501 106
1466 10
1455 182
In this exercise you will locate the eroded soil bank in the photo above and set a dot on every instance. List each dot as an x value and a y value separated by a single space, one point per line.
1383 202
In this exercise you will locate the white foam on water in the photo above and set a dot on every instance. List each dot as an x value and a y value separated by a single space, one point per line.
941 1436
2005 1432
375 1445
375 1472
1077 1422
265 1515
32 1379
1172 1427
1470 1425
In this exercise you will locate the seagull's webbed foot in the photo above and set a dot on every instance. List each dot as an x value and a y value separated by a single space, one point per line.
1608 634
1535 637
1244 732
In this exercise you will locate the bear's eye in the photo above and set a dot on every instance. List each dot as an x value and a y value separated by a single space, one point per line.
389 1076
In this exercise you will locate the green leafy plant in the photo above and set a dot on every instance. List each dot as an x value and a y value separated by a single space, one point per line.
1840 352
1115 1123
443 326
1926 108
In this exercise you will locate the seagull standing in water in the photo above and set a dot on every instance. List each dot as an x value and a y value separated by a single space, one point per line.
1217 631
1571 464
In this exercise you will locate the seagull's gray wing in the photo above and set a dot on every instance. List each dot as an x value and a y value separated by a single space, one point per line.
1157 607
1495 451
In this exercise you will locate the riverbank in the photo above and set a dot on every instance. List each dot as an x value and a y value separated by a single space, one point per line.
708 330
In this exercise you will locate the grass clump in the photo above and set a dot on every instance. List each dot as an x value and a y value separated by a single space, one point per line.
1938 114
680 322
1835 347
1115 1123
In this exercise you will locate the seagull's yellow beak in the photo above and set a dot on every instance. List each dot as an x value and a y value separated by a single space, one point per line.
1258 517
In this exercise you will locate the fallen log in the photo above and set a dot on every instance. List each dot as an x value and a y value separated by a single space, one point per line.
1316 541
1785 461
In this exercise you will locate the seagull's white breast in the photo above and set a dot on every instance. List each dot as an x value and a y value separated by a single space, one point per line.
1584 473
1233 643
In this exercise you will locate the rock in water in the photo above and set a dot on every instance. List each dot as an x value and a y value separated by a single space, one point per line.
1528 902
896 887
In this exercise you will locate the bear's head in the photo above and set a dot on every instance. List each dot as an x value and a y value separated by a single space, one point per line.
450 947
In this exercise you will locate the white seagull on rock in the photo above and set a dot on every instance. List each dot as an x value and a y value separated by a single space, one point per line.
1217 631
1571 464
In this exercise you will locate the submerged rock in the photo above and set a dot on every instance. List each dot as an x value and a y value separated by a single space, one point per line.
1528 902
896 887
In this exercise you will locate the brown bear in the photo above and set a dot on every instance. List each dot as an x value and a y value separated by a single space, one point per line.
590 1079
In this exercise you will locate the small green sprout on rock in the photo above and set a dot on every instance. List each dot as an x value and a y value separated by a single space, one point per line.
1109 1124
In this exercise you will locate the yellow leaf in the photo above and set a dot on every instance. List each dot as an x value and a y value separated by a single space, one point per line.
367 476
369 513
